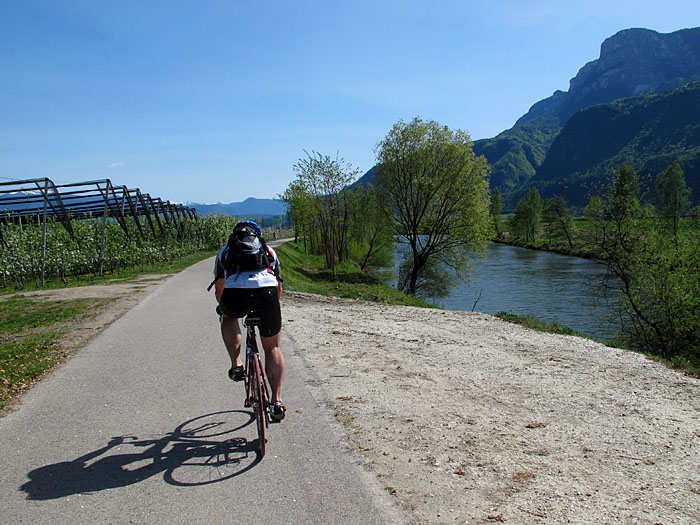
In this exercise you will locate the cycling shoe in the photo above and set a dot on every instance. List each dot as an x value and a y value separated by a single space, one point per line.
236 373
277 411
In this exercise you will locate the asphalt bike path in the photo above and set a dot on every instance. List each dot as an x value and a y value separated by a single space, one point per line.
142 425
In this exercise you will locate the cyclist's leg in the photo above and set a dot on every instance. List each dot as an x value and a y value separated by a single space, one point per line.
274 365
270 326
230 327
231 333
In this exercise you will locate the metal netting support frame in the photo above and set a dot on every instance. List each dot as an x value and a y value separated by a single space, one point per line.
22 200
43 233
102 239
3 243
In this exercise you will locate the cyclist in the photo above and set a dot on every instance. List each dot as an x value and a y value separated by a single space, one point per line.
252 290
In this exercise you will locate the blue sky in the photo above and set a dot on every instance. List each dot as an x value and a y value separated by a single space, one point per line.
215 101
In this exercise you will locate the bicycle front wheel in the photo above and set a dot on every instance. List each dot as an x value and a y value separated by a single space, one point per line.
258 404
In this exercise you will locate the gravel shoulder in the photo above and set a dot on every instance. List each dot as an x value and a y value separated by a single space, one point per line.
467 418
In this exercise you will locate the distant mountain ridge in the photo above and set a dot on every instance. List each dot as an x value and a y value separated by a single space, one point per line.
249 208
633 62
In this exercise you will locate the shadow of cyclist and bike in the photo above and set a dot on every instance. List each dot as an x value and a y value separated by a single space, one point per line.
200 451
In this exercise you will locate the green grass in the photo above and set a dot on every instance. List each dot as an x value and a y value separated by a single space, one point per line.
306 273
529 321
30 331
690 368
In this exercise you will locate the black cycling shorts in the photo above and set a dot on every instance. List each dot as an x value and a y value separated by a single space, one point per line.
238 302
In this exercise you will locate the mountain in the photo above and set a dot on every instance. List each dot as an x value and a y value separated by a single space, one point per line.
367 178
633 62
515 154
647 132
249 208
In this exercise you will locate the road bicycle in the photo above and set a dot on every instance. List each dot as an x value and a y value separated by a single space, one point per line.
257 390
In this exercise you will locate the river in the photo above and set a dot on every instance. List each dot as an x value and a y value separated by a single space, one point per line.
548 286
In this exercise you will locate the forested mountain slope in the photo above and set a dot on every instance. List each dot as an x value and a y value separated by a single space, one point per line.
649 133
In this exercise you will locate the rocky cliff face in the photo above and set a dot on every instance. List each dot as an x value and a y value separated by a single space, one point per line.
633 62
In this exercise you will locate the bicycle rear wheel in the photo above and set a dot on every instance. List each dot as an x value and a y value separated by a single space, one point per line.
258 404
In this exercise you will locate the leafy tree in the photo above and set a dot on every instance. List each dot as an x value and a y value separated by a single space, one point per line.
300 208
657 278
372 232
594 213
436 191
433 280
622 212
495 209
660 310
558 218
624 199
325 179
525 221
672 195
594 209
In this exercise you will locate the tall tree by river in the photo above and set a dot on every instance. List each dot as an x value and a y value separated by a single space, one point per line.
436 191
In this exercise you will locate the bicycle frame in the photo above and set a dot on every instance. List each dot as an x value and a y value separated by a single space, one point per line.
257 389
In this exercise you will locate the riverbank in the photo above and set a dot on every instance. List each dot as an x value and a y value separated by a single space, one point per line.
560 249
469 419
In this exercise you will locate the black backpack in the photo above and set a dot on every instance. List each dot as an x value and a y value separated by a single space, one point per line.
247 251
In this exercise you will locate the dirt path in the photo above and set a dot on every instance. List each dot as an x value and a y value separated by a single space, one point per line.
467 418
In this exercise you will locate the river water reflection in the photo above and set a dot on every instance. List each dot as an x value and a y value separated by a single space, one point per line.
545 285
